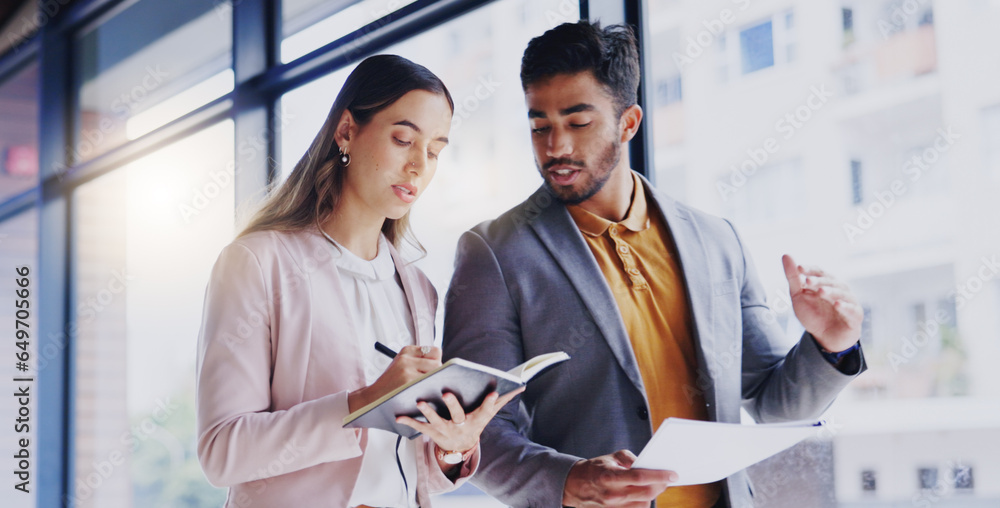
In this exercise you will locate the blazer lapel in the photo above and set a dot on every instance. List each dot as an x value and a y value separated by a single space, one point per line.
417 300
698 280
563 239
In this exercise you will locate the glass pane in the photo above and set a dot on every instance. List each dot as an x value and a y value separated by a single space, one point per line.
311 24
756 48
147 236
872 152
19 250
135 76
19 133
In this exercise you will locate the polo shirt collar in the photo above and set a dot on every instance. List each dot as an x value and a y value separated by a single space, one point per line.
636 219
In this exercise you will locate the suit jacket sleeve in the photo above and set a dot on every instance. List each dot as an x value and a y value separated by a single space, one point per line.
482 325
238 433
780 386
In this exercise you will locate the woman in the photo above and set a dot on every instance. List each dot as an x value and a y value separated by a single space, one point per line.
296 303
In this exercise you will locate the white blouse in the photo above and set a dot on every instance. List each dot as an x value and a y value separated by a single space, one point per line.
380 313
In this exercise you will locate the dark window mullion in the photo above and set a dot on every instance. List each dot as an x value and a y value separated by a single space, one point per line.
54 436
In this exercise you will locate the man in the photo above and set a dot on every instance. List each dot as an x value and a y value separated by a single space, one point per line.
658 304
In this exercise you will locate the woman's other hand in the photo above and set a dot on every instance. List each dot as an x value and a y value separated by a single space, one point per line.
410 363
461 432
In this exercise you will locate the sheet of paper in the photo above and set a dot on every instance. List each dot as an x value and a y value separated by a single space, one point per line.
704 452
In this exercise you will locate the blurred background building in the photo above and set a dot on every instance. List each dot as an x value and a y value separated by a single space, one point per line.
860 136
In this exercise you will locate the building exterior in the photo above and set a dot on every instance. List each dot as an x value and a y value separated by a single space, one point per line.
861 137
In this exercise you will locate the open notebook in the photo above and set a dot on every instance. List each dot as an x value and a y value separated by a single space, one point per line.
469 381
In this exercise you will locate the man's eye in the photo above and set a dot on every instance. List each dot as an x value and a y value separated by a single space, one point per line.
432 155
579 125
400 142
539 130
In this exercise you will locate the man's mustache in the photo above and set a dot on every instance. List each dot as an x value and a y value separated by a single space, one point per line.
565 162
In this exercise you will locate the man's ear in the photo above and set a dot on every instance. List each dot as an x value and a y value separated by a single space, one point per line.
346 129
630 121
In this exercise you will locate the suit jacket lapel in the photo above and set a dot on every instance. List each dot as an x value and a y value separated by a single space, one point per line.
698 280
563 239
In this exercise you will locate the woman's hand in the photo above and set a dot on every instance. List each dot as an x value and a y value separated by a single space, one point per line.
410 363
461 433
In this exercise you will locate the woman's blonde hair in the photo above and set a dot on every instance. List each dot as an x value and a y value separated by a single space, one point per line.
310 193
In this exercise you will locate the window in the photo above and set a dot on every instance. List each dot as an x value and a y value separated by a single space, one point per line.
927 477
856 183
765 44
19 133
903 15
963 478
847 24
668 90
756 48
868 483
135 76
310 24
147 236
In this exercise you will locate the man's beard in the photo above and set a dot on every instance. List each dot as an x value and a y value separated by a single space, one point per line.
602 172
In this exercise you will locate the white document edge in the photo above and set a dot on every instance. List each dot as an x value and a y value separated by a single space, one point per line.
704 452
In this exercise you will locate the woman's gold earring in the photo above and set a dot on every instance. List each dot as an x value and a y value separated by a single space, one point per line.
345 158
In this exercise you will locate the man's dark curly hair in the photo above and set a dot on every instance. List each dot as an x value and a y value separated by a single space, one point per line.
610 53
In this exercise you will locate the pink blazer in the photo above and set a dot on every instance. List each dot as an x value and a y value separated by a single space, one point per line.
277 357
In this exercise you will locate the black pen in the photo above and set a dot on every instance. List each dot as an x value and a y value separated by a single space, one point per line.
382 348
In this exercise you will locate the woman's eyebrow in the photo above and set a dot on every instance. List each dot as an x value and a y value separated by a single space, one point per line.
407 123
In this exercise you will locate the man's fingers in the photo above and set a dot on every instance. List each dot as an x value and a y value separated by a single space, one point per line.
636 494
792 274
815 282
849 310
833 295
641 477
649 476
811 270
624 457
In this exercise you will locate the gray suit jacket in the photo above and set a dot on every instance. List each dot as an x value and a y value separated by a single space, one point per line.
526 284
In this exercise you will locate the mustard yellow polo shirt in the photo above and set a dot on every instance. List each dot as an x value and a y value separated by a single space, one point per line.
640 263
